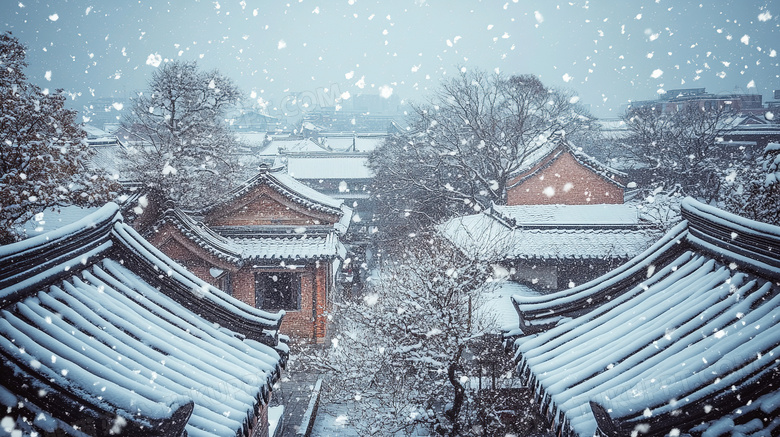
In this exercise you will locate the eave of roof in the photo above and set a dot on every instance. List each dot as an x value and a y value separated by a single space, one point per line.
695 314
93 301
239 245
495 236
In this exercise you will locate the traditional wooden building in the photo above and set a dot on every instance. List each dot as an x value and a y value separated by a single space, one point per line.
552 246
272 243
102 334
561 174
682 340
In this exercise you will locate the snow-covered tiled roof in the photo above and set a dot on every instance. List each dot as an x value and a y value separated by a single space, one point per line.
242 244
522 233
682 339
293 247
348 142
100 331
561 215
292 145
332 166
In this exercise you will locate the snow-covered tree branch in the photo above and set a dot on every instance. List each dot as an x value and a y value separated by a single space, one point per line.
464 145
44 158
183 144
398 360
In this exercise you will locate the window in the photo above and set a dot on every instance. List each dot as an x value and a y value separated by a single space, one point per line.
221 279
223 283
278 291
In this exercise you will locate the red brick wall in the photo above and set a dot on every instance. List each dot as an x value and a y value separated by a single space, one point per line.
243 283
299 324
322 302
571 182
178 247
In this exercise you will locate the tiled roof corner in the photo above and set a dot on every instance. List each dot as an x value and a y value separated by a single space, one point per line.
101 330
696 320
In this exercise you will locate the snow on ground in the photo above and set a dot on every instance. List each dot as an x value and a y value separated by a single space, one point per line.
334 420
274 416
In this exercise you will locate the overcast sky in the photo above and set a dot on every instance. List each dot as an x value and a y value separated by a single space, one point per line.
608 52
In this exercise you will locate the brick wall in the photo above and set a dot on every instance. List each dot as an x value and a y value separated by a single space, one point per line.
322 302
566 182
243 283
193 257
299 324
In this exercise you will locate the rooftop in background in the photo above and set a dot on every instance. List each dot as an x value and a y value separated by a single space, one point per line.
549 232
336 166
567 215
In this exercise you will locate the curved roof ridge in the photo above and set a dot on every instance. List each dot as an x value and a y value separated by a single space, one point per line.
286 185
581 157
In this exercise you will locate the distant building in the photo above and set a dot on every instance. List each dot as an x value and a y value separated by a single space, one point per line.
674 100
108 151
561 174
342 121
245 120
342 175
101 334
551 246
272 243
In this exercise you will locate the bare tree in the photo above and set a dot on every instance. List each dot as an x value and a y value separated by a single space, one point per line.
44 158
465 144
179 142
681 150
755 191
398 360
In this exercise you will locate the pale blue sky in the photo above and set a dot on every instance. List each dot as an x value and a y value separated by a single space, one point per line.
608 52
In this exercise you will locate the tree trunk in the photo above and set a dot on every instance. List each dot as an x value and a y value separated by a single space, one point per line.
460 393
